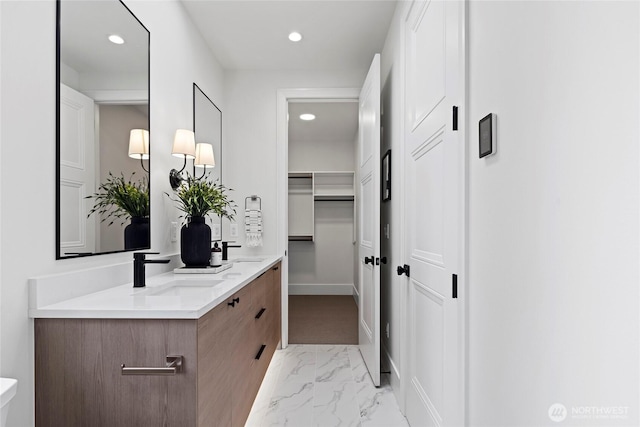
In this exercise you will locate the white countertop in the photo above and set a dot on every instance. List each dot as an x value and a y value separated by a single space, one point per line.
127 302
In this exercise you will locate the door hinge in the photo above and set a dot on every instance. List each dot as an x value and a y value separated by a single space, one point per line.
455 118
454 286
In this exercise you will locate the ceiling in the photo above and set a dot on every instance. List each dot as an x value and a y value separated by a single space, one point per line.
335 121
253 35
84 27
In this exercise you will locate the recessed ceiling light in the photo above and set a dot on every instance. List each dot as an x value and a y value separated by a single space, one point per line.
295 37
114 38
307 116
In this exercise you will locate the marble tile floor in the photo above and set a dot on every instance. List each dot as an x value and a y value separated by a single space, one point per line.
323 386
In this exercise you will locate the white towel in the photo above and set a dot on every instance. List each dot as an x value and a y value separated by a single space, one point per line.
253 227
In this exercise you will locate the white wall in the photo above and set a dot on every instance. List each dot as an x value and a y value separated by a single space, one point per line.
28 199
250 138
553 216
323 155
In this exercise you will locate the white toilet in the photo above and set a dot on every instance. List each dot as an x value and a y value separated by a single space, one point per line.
8 388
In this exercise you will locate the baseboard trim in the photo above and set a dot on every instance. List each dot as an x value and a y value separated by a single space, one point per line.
395 373
321 289
393 367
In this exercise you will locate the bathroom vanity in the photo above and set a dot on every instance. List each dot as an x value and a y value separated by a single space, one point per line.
101 359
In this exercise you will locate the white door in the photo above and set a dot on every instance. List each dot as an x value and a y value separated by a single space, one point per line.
433 168
369 218
77 172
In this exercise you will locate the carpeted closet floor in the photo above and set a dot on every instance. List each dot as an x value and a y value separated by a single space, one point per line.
323 319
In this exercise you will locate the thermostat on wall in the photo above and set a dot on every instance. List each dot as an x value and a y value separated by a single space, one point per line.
488 135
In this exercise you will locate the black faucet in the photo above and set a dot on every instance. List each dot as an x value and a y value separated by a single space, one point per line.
225 249
139 261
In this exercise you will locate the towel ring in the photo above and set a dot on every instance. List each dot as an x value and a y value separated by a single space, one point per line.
253 198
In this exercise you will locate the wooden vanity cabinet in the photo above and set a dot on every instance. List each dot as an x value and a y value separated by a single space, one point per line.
78 361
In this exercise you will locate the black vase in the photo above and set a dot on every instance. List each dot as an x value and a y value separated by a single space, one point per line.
136 234
195 243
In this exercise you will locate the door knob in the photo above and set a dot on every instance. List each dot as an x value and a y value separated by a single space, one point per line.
368 260
404 269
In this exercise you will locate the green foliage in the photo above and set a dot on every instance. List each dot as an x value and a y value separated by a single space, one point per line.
201 197
118 199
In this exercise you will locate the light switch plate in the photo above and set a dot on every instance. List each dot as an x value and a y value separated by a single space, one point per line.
215 231
233 230
174 231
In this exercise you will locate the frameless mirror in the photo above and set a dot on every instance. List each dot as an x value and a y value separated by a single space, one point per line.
207 126
102 152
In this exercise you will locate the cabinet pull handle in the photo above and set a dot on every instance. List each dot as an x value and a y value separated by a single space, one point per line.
260 352
173 366
234 302
275 268
260 313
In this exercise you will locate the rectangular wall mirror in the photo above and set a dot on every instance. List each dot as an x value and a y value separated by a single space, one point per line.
207 126
102 152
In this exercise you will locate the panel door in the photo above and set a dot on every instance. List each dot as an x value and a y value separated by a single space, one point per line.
433 177
77 171
369 216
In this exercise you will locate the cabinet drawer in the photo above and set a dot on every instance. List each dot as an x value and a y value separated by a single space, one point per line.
260 365
263 326
244 350
238 304
78 380
259 292
214 353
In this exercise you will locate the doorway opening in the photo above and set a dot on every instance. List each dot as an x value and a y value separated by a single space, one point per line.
322 270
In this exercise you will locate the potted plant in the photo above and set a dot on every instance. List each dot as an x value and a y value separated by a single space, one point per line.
197 199
118 199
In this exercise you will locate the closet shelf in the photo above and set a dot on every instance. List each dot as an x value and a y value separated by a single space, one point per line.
308 187
333 197
301 238
308 175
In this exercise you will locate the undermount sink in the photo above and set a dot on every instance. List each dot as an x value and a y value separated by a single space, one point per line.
8 388
248 259
183 288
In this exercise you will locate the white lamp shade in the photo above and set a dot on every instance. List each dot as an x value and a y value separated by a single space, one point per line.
139 144
204 156
184 144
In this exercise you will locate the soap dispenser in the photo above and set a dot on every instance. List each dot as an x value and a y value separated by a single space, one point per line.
216 255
